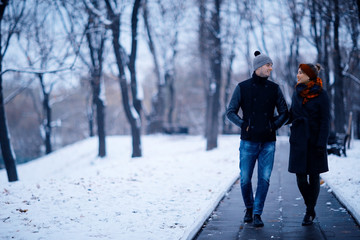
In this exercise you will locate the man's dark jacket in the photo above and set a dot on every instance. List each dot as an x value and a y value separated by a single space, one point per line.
257 97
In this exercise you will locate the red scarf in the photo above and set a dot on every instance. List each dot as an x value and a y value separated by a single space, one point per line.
309 90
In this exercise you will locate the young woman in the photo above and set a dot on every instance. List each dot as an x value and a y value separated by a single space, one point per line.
310 118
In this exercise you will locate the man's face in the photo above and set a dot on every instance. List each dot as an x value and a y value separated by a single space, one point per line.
264 71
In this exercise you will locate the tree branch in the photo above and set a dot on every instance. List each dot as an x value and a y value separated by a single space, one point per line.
96 12
12 30
357 80
17 92
33 71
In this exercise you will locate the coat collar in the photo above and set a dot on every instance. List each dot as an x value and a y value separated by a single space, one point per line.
257 79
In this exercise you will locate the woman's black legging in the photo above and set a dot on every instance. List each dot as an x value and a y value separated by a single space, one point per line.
309 189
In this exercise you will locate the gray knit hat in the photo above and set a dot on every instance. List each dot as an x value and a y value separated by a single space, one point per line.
260 60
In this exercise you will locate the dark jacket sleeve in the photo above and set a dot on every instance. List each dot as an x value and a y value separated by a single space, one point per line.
290 118
281 109
324 120
291 115
233 108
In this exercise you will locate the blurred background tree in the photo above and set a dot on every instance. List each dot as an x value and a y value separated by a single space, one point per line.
176 62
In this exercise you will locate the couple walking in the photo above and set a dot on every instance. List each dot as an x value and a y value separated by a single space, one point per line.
309 116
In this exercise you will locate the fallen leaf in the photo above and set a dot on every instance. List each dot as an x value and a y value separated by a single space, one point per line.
22 210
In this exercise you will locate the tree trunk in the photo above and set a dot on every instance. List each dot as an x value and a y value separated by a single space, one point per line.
204 51
100 117
226 124
338 84
100 113
326 38
320 25
6 148
327 43
358 125
47 124
132 69
47 116
169 79
90 116
215 85
96 37
293 58
358 7
156 117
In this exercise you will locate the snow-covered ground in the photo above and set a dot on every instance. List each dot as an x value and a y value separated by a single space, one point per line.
166 194
72 194
343 178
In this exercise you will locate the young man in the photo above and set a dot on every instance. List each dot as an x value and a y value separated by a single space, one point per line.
257 97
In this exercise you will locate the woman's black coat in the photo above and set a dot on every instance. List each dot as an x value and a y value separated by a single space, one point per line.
309 133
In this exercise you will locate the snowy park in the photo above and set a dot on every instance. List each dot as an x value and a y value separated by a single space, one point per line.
166 194
121 119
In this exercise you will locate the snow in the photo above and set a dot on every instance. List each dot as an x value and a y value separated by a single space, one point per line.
72 194
166 194
343 178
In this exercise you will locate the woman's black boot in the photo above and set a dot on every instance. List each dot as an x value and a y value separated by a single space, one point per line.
309 218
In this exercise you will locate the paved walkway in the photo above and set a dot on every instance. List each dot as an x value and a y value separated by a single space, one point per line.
283 212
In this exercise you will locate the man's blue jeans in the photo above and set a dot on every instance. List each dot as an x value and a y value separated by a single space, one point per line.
250 152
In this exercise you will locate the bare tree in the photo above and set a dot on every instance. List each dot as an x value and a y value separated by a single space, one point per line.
122 61
211 59
203 51
326 19
5 35
96 36
326 24
215 58
351 70
39 45
338 84
156 116
132 58
320 16
230 36
162 22
296 12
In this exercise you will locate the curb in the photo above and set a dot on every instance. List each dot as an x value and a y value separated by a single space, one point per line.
336 192
199 222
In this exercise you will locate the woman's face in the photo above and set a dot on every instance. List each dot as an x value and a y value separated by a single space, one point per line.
302 77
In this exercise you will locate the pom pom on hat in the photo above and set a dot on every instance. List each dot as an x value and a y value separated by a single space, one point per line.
260 60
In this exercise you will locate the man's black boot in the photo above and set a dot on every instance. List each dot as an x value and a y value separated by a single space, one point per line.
257 221
248 215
